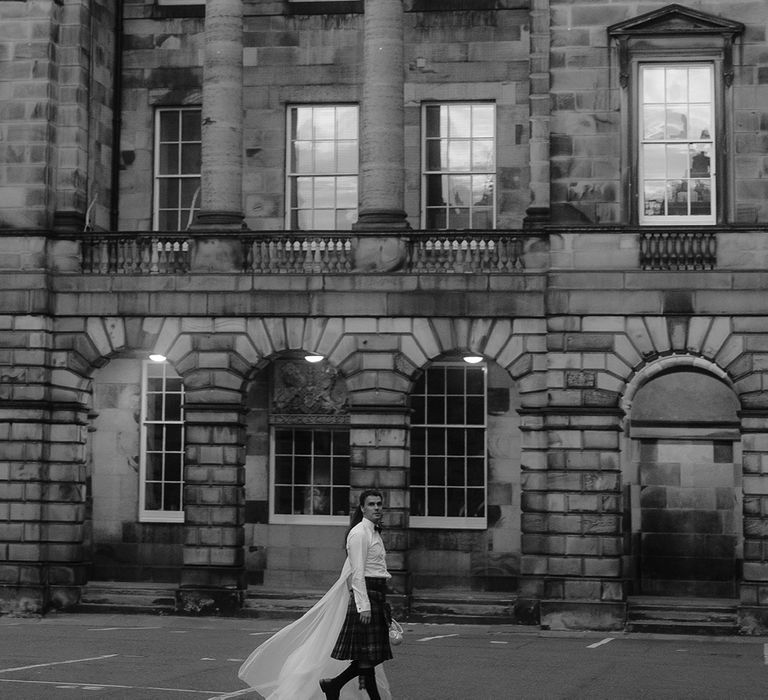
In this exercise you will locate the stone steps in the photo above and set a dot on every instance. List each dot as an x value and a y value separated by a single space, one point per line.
122 597
462 607
698 616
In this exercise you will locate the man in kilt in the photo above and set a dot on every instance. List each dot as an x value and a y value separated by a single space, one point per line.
364 638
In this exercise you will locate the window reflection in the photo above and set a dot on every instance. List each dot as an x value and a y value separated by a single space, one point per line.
459 162
677 144
323 167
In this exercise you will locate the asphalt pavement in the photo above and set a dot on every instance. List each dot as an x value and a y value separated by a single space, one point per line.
76 656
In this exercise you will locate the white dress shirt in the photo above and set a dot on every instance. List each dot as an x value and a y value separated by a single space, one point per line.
367 555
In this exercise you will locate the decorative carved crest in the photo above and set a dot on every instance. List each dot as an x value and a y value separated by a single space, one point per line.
300 388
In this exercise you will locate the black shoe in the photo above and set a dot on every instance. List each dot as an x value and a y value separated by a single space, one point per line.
329 689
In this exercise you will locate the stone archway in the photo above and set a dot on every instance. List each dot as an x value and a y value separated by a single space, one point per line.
685 483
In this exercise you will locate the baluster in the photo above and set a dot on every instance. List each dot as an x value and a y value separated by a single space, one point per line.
322 250
257 260
483 259
347 255
518 254
503 254
493 252
711 250
154 257
429 259
86 263
120 256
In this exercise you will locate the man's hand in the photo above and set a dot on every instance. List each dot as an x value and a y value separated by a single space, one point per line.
365 617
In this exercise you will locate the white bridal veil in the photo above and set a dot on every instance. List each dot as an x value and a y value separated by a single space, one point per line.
290 664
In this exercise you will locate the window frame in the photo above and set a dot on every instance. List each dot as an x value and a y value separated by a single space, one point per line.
300 518
716 139
147 515
293 174
157 176
447 522
426 173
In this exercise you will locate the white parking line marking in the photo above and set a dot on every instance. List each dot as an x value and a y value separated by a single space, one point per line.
499 642
81 686
236 694
57 663
442 636
112 629
600 643
765 654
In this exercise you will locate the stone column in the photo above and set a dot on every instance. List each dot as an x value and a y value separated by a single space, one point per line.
72 117
213 574
382 137
540 115
43 434
222 133
379 459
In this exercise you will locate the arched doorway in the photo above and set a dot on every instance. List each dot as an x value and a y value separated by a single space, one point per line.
685 484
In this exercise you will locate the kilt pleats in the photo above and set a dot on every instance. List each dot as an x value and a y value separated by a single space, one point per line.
366 642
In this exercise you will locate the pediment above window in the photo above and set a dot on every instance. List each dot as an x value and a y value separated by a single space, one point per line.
675 19
675 28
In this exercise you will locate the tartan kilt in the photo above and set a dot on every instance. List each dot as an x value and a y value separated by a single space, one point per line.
366 642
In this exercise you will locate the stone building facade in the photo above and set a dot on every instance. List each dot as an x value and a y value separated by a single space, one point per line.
571 194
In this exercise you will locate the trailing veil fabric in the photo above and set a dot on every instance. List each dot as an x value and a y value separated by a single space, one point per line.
290 664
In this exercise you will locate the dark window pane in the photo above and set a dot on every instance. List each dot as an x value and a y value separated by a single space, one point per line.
436 380
302 498
322 470
432 118
172 407
475 471
169 159
417 501
341 442
456 471
435 409
283 500
417 404
154 407
173 438
190 125
340 502
418 446
172 499
153 496
420 385
341 470
475 410
455 415
322 443
173 467
435 441
302 442
456 505
436 219
436 471
417 470
283 470
169 126
154 438
190 159
435 502
476 381
454 383
302 470
475 503
154 470
455 442
283 442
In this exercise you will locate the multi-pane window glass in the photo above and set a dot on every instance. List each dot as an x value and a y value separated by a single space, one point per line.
162 440
459 166
311 472
322 167
448 435
677 146
178 152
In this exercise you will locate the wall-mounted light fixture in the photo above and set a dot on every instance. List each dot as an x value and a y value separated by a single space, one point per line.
472 359
313 357
157 357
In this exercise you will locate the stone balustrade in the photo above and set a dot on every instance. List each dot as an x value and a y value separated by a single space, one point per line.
292 253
